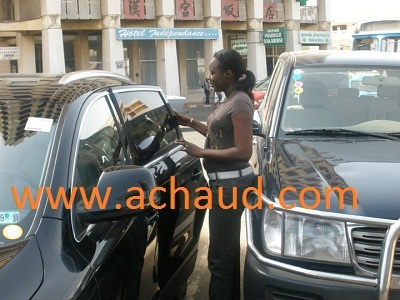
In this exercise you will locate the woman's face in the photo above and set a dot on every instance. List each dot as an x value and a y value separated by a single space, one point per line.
218 78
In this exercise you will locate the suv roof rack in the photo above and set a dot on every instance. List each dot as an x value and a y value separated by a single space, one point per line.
93 75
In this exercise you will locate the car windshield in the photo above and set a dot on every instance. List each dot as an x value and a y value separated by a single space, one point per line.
355 99
27 129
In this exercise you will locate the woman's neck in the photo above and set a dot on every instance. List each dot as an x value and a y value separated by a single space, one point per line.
229 91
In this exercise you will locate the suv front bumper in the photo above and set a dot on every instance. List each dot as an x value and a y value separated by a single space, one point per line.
266 278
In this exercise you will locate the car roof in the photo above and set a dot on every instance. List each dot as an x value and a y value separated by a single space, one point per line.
58 87
342 57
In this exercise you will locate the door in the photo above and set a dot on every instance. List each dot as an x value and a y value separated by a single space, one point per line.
152 131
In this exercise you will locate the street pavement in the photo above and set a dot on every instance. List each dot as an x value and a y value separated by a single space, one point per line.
199 280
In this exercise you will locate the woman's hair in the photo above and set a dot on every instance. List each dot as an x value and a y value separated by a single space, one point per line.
230 59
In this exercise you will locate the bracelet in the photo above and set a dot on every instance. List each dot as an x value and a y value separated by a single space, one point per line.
191 121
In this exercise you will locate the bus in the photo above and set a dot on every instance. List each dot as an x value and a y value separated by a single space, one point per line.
381 35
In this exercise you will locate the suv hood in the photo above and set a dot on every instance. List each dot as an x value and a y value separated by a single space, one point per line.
370 167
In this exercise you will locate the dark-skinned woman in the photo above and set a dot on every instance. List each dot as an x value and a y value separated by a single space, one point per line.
226 155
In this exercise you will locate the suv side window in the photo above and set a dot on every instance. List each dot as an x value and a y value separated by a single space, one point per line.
99 143
150 126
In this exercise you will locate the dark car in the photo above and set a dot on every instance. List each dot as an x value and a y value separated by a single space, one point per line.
96 196
328 157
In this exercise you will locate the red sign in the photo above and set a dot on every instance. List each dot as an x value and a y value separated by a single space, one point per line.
134 9
230 10
270 14
184 9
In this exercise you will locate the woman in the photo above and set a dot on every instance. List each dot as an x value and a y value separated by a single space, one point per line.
227 150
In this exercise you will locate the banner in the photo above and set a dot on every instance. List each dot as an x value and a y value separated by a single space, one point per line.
167 33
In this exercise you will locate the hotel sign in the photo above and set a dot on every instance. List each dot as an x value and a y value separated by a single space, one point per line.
167 34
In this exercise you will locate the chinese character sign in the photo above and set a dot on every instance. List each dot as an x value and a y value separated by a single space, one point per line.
230 10
134 9
270 14
184 9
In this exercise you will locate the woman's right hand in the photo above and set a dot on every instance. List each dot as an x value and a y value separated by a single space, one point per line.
182 119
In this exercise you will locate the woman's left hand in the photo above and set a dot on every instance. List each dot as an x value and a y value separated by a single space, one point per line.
191 148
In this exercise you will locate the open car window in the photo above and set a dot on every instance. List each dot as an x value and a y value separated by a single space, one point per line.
150 126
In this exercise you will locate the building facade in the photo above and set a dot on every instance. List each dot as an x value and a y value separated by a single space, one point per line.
162 42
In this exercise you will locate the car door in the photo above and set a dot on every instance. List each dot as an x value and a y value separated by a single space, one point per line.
152 130
117 250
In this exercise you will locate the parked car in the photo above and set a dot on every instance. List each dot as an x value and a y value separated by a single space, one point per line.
328 162
85 158
259 91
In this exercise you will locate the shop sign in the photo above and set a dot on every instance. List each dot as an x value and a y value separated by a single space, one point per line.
9 53
270 13
134 9
184 9
315 37
240 45
229 10
274 36
167 34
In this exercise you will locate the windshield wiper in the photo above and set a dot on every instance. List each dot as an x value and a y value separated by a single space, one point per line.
341 131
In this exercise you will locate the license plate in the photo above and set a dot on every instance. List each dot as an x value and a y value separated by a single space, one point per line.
9 217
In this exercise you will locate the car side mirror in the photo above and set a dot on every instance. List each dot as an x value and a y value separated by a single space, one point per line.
121 192
257 124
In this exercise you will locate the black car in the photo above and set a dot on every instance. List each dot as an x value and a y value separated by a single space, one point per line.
327 154
96 196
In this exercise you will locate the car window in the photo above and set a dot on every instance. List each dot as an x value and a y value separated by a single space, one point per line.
99 144
150 126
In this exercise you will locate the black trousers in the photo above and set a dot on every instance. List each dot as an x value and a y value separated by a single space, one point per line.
224 247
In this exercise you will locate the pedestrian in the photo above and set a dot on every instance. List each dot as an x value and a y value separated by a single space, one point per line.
226 155
219 95
207 87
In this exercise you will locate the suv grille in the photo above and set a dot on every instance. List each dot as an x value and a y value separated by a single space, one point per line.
367 243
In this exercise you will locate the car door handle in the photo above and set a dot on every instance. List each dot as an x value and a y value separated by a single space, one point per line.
196 174
151 218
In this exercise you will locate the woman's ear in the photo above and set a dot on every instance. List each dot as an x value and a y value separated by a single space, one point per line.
228 73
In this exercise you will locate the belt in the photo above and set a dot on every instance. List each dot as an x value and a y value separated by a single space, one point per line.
230 174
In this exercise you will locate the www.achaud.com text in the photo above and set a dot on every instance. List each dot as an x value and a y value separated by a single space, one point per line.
203 201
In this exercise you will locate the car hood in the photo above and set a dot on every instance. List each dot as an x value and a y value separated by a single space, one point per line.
23 274
371 168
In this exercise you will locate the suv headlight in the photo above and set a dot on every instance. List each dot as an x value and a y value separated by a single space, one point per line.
298 236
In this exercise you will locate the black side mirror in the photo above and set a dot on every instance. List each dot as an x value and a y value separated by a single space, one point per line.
257 124
123 192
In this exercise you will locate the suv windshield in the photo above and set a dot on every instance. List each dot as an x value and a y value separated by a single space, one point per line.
27 129
357 99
